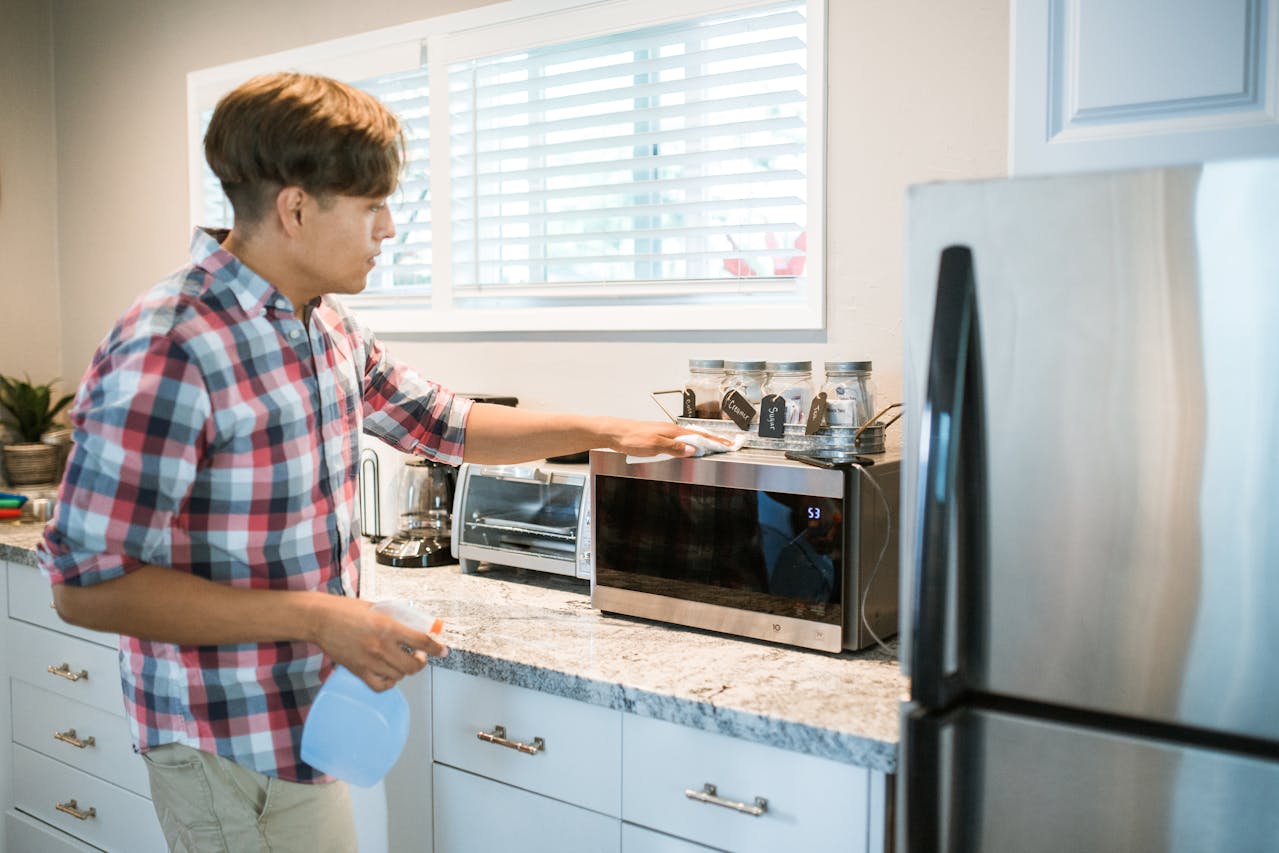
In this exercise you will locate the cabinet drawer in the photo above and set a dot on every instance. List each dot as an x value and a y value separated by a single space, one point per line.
637 839
810 801
476 815
39 717
31 600
122 821
25 834
32 651
580 761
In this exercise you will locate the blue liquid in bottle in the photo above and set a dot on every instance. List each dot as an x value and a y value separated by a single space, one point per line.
352 731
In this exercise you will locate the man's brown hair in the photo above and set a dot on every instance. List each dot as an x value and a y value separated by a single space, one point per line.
300 130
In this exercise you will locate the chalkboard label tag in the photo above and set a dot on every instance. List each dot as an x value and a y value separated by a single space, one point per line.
772 417
816 414
738 409
690 403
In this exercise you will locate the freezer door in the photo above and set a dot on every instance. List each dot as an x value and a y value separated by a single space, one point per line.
998 783
1124 495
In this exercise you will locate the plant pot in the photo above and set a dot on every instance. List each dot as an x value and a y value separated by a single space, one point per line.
31 463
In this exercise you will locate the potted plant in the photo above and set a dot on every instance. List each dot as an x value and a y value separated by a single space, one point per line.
30 411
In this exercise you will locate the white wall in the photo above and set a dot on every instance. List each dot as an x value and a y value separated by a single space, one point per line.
29 338
918 91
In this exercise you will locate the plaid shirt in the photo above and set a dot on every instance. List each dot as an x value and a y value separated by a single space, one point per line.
217 434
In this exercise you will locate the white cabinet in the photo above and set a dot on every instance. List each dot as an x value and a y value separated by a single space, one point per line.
1104 85
740 796
478 815
516 769
67 741
638 839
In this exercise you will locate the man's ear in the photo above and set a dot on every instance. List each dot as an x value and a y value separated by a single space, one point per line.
289 202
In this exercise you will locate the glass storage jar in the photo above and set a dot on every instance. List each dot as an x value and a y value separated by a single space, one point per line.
850 393
793 382
747 379
702 392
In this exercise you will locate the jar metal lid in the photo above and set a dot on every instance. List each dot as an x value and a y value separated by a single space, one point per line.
744 365
706 363
846 366
790 366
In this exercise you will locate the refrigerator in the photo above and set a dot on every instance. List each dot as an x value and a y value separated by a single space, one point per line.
1090 513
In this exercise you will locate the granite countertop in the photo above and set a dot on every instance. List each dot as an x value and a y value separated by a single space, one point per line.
539 631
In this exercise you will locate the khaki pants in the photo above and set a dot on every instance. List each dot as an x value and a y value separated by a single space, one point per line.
207 804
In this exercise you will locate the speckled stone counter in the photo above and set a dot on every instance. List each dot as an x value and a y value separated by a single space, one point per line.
539 631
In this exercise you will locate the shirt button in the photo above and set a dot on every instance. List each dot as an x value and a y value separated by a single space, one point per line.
294 333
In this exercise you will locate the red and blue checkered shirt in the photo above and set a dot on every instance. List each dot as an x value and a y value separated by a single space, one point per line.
216 433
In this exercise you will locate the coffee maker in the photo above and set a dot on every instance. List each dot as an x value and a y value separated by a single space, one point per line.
418 502
424 521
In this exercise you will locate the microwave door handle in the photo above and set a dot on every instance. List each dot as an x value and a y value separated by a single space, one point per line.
951 489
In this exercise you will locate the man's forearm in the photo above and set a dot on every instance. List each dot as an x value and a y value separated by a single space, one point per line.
157 603
497 434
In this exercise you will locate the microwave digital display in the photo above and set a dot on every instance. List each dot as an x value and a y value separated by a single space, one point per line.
764 551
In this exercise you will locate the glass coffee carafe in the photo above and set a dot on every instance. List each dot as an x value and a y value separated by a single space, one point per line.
424 523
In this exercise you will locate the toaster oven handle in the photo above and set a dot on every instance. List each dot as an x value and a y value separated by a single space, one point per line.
951 489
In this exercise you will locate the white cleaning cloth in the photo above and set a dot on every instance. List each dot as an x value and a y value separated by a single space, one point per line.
701 445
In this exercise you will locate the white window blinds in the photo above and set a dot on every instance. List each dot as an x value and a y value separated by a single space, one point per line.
667 160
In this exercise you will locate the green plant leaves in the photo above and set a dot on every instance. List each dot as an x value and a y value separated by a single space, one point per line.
29 409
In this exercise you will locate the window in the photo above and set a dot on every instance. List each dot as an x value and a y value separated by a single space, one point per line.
605 165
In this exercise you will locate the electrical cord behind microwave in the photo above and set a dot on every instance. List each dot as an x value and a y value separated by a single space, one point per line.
879 561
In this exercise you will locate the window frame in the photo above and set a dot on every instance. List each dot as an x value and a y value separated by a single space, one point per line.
508 26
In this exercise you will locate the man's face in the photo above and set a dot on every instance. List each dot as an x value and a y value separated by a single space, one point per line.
342 237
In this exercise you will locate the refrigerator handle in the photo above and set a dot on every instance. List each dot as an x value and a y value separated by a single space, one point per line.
951 490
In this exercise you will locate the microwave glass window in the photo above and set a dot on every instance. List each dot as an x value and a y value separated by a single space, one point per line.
769 552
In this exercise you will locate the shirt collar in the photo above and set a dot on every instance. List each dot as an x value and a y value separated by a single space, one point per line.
249 289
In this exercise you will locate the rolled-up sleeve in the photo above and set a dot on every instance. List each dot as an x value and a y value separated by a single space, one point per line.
141 422
408 411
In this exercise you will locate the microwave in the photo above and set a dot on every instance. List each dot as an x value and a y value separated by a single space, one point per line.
750 543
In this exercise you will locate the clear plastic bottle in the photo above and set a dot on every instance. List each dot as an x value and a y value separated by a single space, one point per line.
746 378
850 393
793 382
702 388
354 732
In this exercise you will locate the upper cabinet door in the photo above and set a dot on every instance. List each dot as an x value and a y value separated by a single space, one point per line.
1110 84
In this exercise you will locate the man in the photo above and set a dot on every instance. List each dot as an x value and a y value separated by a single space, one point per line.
207 511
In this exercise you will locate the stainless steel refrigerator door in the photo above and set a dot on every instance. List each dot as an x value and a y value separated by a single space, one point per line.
1129 340
1011 784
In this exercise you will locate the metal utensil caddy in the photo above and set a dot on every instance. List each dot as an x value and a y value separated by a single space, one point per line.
866 438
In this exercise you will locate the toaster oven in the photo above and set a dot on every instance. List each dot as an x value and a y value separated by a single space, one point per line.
750 543
530 516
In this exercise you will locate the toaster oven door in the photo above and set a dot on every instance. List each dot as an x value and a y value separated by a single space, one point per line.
519 516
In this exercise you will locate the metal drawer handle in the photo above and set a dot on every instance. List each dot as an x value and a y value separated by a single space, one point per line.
498 736
709 794
70 807
69 736
65 672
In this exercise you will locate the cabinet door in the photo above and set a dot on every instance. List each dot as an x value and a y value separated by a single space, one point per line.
1100 85
478 815
808 803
